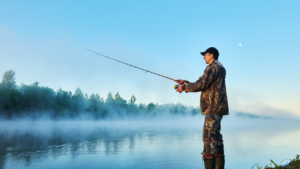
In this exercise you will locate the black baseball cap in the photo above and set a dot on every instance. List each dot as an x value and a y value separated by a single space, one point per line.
212 50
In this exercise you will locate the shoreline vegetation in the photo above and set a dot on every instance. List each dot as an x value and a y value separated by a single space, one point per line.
293 164
34 101
39 102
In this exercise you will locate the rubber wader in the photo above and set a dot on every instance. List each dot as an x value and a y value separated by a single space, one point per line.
210 163
220 162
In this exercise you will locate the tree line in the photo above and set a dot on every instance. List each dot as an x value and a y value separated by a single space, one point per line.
36 101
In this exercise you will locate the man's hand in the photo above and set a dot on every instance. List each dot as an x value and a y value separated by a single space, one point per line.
180 81
179 88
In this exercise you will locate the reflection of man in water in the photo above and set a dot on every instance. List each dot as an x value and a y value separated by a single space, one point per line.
213 104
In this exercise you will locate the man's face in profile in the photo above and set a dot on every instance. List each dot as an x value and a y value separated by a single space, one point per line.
208 57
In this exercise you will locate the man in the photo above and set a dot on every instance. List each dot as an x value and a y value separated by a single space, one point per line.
213 104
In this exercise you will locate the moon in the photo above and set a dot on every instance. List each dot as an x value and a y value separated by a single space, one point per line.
240 44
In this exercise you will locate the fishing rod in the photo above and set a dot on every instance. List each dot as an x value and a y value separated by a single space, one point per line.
175 86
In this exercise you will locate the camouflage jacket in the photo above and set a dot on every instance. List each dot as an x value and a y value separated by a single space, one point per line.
212 84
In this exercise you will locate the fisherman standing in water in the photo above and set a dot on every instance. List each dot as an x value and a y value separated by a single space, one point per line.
213 104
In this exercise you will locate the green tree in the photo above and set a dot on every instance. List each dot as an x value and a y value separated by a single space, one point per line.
8 80
120 101
150 107
196 111
175 111
109 100
10 102
132 107
96 106
47 97
132 100
63 102
179 109
78 101
36 98
117 96
141 107
35 84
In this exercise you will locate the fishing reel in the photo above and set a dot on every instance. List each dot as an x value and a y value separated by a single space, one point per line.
184 82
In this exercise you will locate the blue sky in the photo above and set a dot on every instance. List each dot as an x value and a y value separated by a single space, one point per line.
45 41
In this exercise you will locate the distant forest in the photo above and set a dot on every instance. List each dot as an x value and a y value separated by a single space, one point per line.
36 101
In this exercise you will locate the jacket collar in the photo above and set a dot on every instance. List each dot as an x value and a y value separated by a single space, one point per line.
211 63
215 62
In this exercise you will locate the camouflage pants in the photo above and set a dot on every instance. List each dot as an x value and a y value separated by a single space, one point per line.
212 138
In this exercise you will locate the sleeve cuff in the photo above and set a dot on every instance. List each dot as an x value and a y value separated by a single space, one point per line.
186 82
183 87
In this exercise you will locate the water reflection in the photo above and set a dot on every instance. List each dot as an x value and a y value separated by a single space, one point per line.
164 144
27 142
27 145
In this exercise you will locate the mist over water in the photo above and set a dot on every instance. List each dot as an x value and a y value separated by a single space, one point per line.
155 143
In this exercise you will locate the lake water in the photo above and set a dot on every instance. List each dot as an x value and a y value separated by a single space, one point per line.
157 144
